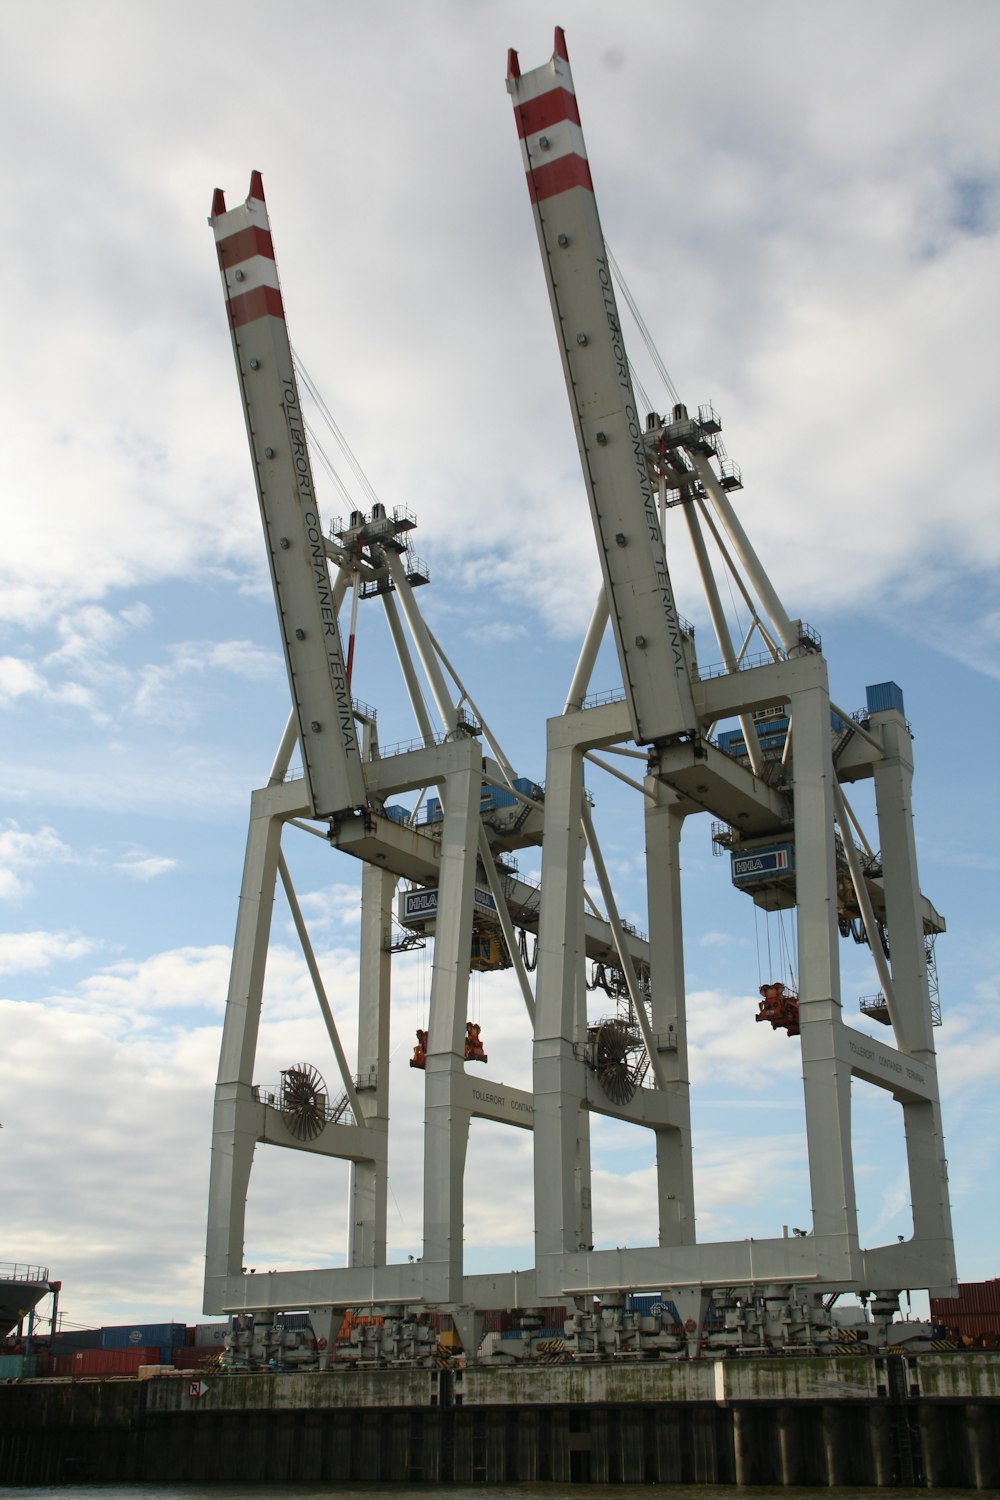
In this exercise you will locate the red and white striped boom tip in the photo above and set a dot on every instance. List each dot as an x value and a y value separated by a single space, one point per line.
246 256
219 197
558 50
548 124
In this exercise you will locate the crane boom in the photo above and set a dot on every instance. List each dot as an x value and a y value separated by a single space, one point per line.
608 427
300 574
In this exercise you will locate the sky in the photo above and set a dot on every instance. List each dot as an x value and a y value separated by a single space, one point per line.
804 201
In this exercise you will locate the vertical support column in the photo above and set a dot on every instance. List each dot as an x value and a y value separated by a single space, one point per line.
674 1166
446 1123
583 1195
826 1083
926 1164
236 1117
893 777
369 1183
562 1197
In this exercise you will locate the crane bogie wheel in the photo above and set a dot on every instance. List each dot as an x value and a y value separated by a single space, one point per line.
303 1101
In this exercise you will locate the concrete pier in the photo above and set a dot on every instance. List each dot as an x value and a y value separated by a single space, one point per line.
826 1421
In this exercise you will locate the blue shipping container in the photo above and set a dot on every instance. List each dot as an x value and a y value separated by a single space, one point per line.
143 1335
495 796
76 1338
881 696
643 1302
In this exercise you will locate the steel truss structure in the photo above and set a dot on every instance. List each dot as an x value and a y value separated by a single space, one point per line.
774 783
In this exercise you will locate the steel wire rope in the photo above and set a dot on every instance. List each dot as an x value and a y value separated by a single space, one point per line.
786 948
664 375
640 323
325 460
392 1195
638 387
336 431
741 633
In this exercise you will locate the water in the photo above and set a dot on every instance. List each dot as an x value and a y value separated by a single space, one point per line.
453 1492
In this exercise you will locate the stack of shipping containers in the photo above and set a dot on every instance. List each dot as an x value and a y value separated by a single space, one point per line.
973 1315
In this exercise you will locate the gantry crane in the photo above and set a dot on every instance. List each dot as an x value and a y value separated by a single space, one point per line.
773 812
773 782
453 857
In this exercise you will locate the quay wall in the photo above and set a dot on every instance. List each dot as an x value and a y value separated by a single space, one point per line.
926 1421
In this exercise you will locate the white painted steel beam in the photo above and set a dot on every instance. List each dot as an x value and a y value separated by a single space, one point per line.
927 1164
664 821
369 1185
826 1082
235 1121
561 1214
446 1122
293 530
608 425
319 989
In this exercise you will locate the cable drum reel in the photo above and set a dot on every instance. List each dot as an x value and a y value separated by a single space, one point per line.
617 1056
303 1101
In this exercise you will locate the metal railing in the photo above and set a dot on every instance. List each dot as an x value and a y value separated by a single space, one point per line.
14 1271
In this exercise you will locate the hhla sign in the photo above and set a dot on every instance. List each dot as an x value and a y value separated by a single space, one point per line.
778 859
418 908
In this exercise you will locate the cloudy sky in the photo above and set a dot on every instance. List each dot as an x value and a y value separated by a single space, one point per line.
804 200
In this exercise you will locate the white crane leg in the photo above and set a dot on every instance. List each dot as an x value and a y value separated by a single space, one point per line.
562 1221
369 1183
893 776
668 1016
235 1122
926 1162
826 1083
446 1124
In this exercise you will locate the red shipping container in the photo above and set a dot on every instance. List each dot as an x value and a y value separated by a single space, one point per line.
194 1358
978 1297
113 1361
973 1324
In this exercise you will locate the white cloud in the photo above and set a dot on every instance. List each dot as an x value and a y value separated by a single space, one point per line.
87 632
968 1049
137 992
726 1044
162 696
140 866
338 907
20 951
21 680
870 225
723 940
21 851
